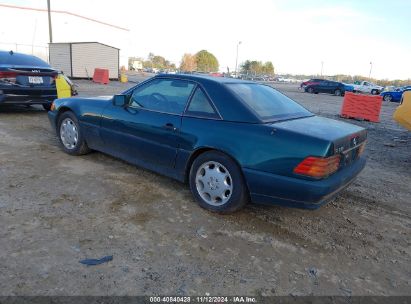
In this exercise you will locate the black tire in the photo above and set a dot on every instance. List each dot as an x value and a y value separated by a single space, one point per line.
310 90
80 147
239 195
374 92
387 97
46 106
337 92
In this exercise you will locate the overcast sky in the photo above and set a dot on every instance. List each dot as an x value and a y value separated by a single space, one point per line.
295 35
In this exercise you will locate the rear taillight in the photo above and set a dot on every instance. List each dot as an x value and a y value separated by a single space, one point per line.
318 167
8 76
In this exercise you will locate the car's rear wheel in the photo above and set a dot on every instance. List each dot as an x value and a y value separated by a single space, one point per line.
387 97
70 134
374 92
337 92
217 183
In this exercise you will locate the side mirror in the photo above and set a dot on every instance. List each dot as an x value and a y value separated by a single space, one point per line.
120 100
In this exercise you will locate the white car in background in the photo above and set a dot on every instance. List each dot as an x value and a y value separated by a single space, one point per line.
367 87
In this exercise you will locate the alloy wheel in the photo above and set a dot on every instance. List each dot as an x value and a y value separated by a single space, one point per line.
214 183
69 133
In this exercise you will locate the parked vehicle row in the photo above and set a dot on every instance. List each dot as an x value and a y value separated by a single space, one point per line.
317 85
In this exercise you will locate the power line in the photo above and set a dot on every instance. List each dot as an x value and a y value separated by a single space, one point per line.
64 12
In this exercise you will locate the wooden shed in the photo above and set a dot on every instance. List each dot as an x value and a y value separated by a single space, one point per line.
79 59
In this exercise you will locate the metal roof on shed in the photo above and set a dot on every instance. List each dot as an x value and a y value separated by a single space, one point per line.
85 42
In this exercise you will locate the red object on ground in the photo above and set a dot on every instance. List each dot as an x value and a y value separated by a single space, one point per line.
101 76
360 106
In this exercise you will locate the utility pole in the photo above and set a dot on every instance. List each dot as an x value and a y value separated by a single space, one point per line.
49 13
236 59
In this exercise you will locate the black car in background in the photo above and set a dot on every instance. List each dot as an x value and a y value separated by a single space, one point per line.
26 79
309 82
326 86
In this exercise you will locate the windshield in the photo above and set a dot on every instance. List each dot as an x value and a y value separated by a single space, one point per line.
268 103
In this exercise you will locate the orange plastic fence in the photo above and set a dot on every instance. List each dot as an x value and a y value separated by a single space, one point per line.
101 76
367 107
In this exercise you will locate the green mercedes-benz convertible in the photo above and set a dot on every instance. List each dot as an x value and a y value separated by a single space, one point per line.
233 141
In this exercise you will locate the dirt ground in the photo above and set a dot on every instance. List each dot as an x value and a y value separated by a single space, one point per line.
57 209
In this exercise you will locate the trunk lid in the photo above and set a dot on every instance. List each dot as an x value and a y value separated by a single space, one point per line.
28 77
344 138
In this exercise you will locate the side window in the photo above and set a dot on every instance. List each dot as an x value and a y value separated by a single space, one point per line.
201 106
162 95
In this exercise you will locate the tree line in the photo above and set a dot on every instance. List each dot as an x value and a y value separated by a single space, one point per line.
257 68
203 61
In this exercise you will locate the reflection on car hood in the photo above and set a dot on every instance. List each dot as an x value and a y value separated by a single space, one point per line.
97 98
319 127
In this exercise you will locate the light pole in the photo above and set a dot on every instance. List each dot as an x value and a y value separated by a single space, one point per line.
236 59
369 76
49 14
322 65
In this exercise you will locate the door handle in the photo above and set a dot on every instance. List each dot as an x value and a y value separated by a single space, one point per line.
170 126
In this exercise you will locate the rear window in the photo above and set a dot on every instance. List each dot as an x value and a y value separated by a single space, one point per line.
268 103
22 60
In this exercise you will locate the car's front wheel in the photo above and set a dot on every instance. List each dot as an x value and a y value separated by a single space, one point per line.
217 183
70 135
374 92
387 97
337 92
310 90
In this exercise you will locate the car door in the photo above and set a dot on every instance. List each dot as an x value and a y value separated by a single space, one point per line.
322 87
332 87
147 130
366 87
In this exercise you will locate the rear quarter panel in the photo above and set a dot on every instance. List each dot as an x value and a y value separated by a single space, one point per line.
253 146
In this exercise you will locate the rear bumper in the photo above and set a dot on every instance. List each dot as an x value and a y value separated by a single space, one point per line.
267 188
26 99
24 95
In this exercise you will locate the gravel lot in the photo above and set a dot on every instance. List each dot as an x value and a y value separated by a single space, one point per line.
56 209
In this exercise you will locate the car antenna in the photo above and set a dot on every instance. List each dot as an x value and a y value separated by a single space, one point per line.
11 52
